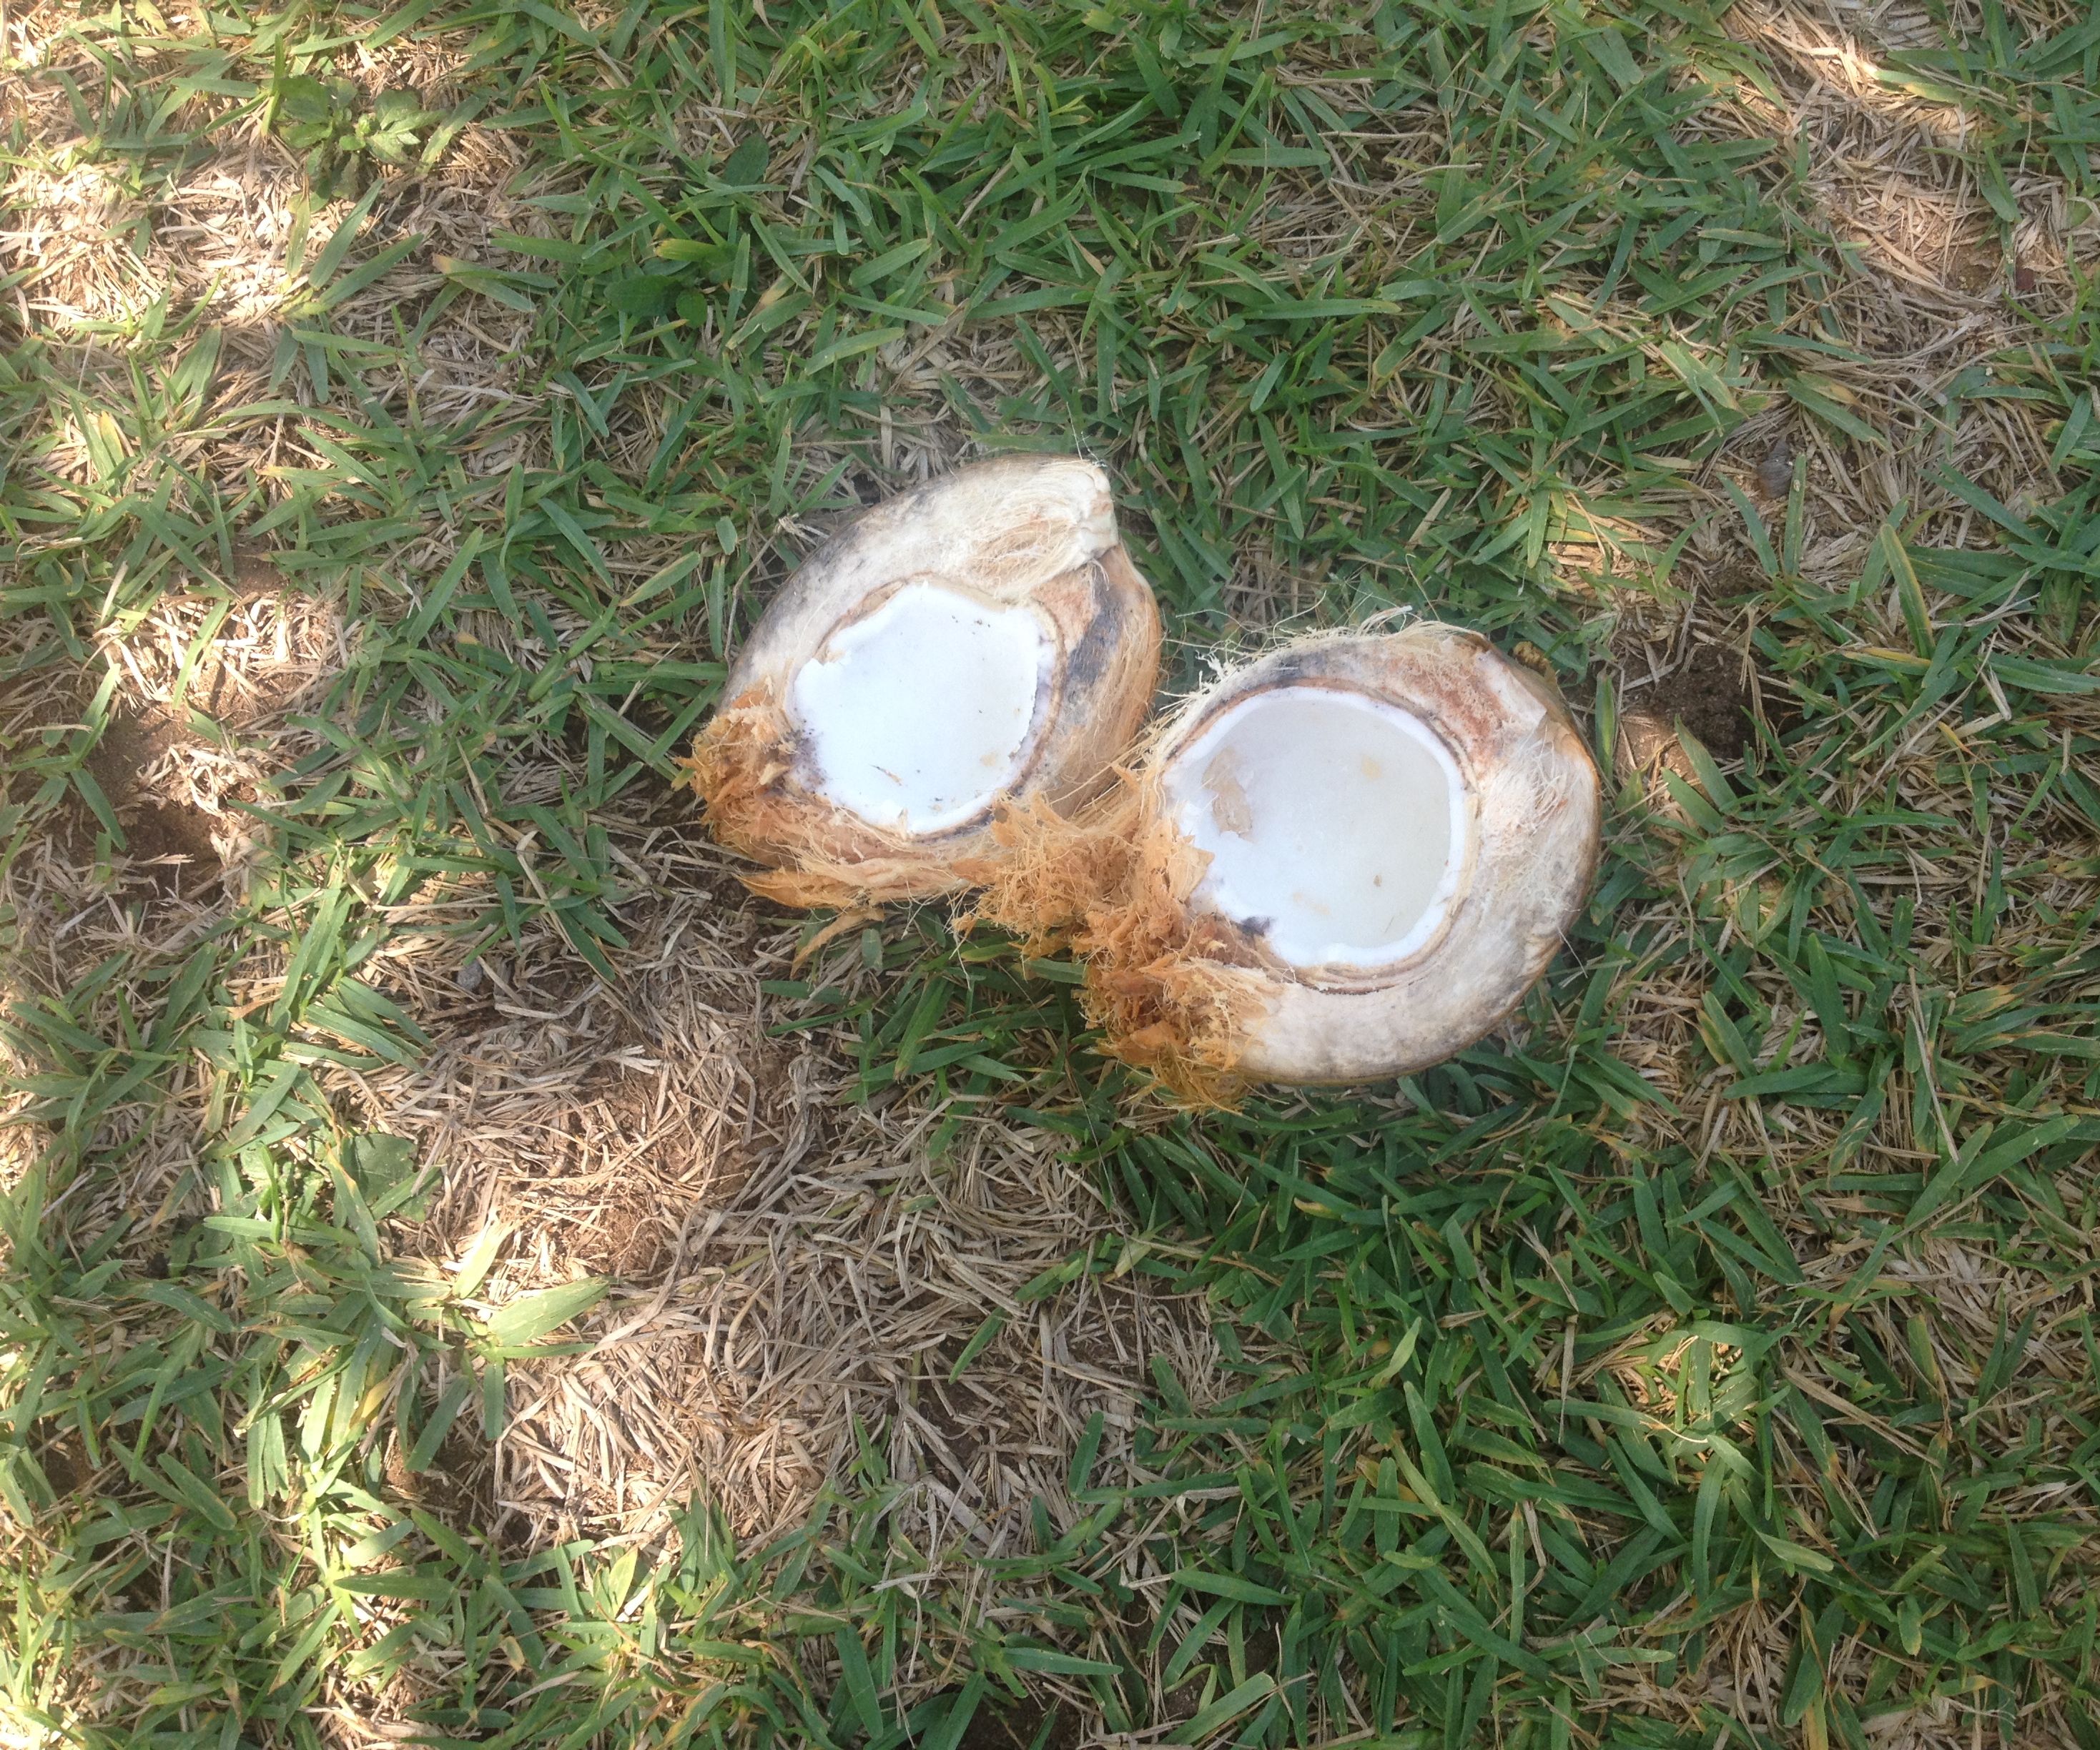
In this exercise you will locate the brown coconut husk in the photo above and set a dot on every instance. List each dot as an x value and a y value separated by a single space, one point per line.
1112 884
740 765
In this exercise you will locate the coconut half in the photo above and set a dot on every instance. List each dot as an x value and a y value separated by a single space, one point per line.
982 642
1346 861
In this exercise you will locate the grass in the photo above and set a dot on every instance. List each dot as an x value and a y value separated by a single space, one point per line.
1709 1359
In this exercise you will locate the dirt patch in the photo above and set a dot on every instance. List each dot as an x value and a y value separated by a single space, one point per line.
1974 270
197 726
172 838
951 1415
1019 1726
254 572
64 1460
456 1485
1690 674
790 1270
1706 695
267 656
203 694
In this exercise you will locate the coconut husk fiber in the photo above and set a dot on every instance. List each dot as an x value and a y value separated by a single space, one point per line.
1112 885
818 858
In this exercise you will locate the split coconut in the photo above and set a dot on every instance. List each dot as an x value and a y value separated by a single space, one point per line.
982 642
1346 861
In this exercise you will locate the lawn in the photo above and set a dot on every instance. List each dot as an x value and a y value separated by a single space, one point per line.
473 1277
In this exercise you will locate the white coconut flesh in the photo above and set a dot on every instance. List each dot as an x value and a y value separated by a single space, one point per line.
919 714
1336 824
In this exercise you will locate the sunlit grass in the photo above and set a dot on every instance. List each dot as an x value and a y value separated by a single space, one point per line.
1705 1360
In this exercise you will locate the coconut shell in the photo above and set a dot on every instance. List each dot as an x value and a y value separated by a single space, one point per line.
1206 1006
1035 531
1537 811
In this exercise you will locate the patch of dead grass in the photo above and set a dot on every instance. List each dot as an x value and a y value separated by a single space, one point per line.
789 1268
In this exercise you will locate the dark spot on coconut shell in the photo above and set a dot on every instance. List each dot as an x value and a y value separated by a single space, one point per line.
1104 633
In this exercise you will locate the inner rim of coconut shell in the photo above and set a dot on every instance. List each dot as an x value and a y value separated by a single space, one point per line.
1338 824
919 713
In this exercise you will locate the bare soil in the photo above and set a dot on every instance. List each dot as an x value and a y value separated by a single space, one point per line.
1706 696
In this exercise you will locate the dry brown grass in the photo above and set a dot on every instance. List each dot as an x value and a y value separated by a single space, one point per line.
789 1263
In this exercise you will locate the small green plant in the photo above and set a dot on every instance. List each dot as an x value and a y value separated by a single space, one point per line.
339 134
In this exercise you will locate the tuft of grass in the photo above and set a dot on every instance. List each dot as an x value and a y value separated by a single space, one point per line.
1706 1360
